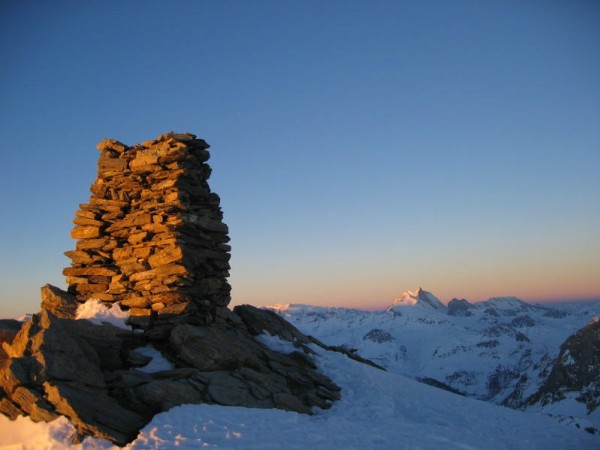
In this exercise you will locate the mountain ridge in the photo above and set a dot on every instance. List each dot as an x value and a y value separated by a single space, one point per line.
500 350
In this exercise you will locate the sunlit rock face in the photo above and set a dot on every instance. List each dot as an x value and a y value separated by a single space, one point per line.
152 236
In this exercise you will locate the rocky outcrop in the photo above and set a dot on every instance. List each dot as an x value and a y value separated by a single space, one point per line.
523 321
500 379
56 367
58 302
460 307
576 372
91 373
152 240
263 320
8 330
438 384
152 237
378 336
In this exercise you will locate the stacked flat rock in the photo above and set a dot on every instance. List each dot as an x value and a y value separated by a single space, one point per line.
151 237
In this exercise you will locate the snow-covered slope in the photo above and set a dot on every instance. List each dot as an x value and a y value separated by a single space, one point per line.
378 410
381 410
500 350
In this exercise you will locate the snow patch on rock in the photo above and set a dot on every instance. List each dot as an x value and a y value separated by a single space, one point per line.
97 312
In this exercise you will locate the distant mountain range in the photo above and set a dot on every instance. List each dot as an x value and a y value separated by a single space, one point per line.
542 358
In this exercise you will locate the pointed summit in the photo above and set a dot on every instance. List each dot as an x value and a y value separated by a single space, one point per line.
419 298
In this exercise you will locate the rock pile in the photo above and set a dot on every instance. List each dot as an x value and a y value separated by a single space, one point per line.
152 240
94 375
151 237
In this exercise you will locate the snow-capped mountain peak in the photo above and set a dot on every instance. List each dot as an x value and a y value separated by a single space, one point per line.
419 298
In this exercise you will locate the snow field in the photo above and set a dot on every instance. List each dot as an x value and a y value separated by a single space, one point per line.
378 410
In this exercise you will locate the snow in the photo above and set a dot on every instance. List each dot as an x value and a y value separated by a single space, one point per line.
567 359
570 411
277 344
158 364
487 355
23 434
96 312
420 298
378 410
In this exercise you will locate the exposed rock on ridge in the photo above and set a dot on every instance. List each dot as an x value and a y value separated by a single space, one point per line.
460 307
576 371
89 373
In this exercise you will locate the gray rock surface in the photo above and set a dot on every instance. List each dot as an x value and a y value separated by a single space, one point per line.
90 373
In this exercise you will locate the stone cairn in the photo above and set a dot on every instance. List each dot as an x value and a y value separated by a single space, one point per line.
152 240
151 237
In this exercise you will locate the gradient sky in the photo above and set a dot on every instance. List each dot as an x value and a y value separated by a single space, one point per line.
360 148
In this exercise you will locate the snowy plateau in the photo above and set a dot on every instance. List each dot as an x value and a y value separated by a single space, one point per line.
456 377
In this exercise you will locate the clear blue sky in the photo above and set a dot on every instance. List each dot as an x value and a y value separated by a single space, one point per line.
360 148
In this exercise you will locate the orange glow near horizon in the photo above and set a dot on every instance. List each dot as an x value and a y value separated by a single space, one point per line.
373 292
